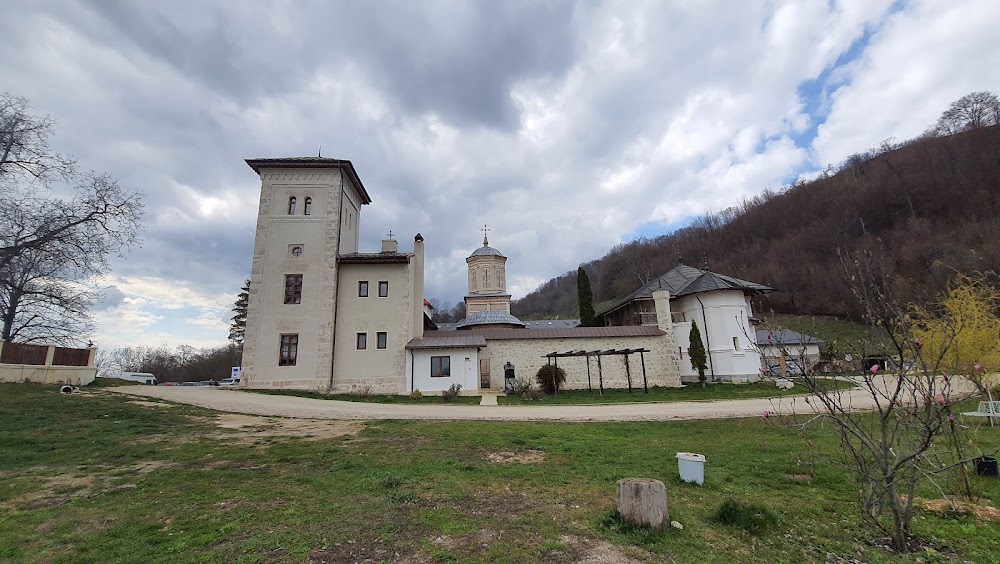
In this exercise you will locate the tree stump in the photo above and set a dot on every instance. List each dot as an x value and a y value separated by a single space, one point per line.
643 502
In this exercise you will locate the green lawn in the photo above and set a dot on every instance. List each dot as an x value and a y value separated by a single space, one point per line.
690 392
845 335
96 477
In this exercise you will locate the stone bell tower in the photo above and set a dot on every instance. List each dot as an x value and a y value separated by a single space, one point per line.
487 280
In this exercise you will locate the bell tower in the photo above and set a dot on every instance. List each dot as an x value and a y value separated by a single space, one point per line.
487 279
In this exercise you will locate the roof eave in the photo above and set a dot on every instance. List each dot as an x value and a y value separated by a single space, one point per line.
348 166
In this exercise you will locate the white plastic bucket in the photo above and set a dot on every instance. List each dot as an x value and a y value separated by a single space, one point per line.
692 467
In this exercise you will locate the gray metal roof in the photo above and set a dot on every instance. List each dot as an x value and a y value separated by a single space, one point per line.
374 258
449 340
489 318
784 337
685 280
486 251
552 323
566 333
313 162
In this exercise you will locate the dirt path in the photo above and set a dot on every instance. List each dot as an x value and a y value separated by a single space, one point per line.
235 401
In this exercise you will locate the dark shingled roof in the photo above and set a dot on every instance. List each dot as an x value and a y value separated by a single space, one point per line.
448 340
486 251
313 162
784 337
373 258
566 333
685 280
489 318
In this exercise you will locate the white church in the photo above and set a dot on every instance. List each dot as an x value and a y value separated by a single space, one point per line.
324 316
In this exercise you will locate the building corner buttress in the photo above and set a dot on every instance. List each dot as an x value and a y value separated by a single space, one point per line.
661 299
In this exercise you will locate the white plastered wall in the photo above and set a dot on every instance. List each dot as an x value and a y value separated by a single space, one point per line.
464 370
721 317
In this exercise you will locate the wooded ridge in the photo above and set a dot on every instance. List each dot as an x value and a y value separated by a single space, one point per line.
927 209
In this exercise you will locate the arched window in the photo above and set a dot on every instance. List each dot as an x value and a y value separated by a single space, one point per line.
486 278
291 205
308 207
500 278
472 280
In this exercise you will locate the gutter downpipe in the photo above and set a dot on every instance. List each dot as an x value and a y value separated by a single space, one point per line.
708 342
333 335
412 374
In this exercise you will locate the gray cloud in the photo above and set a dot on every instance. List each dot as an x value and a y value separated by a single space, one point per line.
562 125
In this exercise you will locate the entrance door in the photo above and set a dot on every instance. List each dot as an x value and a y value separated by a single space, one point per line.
484 373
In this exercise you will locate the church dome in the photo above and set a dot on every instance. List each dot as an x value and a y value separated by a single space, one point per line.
486 251
489 318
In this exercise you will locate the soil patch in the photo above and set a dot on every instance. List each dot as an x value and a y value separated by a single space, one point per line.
593 551
803 478
150 403
526 457
982 512
253 427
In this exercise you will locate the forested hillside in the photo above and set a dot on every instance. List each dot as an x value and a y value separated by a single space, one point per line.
929 209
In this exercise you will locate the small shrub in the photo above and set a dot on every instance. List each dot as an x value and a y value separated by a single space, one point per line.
451 393
753 518
363 391
521 385
415 394
549 377
533 394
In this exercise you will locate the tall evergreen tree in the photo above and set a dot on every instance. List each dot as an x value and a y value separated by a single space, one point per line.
239 326
696 350
586 299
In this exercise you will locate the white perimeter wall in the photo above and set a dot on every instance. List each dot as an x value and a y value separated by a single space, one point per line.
528 355
464 363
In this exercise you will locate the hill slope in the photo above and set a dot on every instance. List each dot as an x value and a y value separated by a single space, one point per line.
927 209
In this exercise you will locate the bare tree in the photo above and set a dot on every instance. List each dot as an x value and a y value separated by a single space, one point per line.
911 437
58 229
972 111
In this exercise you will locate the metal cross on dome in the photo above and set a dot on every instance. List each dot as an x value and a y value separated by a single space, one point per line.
485 229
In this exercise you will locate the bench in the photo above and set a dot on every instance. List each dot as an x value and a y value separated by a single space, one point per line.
986 409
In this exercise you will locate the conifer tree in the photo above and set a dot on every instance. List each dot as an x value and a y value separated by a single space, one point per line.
696 350
239 326
586 299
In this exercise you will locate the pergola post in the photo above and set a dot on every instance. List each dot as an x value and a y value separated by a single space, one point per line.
628 373
555 377
589 387
645 385
600 373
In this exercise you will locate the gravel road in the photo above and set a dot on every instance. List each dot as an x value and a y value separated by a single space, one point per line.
235 401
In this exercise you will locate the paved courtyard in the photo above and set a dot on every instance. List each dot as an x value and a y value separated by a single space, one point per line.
236 401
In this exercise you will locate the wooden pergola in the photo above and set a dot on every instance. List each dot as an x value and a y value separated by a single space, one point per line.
553 357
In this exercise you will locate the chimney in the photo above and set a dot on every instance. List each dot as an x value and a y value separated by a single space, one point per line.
661 299
417 275
390 246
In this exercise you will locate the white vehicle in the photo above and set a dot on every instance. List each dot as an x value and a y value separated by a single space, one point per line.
141 377
230 382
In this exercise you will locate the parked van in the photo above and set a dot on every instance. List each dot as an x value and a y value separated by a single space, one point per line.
141 377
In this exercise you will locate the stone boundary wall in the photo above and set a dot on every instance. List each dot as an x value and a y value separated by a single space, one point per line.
528 356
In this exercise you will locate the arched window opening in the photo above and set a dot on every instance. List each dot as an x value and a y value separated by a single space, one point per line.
291 205
472 281
486 278
308 207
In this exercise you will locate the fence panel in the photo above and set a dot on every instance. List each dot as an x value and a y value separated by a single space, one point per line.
70 357
21 353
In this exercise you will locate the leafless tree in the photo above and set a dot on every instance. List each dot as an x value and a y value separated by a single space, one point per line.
911 436
972 111
58 228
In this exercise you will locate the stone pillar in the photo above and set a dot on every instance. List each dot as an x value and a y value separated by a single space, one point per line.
50 355
661 299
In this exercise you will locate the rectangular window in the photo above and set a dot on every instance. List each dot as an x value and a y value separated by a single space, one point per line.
362 341
381 340
363 289
383 289
440 366
736 344
289 350
293 288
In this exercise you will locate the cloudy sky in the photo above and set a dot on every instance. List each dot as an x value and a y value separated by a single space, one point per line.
567 127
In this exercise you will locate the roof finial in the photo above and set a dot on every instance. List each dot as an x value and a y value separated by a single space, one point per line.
389 236
319 153
486 242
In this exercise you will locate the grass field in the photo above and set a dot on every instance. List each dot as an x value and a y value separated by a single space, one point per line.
691 392
98 477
